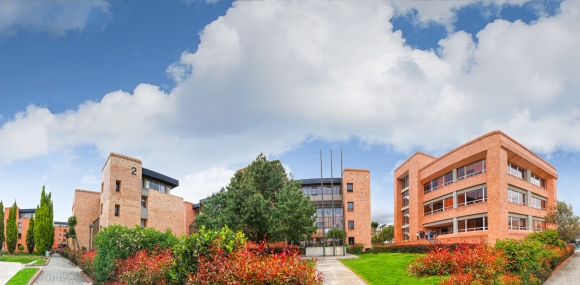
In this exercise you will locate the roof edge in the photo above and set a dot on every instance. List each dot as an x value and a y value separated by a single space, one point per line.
415 154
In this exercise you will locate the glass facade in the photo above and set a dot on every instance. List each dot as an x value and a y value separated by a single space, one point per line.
317 190
405 196
516 197
470 225
155 186
517 223
538 203
26 215
438 206
472 197
471 169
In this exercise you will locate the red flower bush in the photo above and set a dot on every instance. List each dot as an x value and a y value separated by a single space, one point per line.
475 264
85 262
247 266
144 268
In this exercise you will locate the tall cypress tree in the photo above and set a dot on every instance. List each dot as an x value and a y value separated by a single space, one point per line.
30 236
44 226
11 230
1 225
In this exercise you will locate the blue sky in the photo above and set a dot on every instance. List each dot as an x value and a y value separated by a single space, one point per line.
197 89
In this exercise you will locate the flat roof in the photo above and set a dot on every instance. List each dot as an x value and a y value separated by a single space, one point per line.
325 181
27 210
160 177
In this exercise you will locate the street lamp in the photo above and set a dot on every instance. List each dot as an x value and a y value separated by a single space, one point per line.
90 234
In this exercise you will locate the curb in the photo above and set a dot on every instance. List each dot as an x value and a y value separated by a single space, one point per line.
33 279
562 264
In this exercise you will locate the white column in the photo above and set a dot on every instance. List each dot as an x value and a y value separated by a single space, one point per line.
455 225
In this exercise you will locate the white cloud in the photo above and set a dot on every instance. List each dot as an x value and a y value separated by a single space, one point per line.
203 184
53 16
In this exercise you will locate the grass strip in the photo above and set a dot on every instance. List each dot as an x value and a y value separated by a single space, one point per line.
386 269
23 260
22 277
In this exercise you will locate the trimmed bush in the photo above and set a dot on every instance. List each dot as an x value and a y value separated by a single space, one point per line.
147 268
86 263
120 242
417 248
356 248
547 237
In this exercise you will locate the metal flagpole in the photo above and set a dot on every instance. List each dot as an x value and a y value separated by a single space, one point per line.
332 208
322 190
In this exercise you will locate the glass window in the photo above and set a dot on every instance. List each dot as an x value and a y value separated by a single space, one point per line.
438 182
471 169
539 225
516 197
516 170
438 206
538 181
405 214
406 234
469 225
143 202
405 196
517 223
405 182
117 210
350 206
472 197
156 186
351 224
349 187
538 203
118 186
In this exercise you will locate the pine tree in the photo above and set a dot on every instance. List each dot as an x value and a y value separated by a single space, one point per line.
30 236
2 239
11 230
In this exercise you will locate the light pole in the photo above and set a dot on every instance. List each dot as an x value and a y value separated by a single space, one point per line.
90 235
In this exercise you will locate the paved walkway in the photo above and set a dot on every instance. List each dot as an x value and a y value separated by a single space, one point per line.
335 273
60 271
568 274
8 269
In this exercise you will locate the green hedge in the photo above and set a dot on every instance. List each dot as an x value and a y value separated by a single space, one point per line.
414 248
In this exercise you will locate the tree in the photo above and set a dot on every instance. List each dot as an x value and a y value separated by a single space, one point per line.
30 236
387 233
563 217
2 236
262 202
374 226
11 230
44 227
72 223
336 234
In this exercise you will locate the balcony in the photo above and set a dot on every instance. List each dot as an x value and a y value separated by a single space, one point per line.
144 213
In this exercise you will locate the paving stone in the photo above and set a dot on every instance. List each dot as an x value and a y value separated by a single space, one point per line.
335 273
60 271
569 273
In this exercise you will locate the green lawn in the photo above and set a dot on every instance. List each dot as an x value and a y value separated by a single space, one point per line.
386 268
22 277
23 260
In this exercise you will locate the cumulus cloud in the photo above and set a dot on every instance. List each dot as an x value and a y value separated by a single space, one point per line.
53 16
269 75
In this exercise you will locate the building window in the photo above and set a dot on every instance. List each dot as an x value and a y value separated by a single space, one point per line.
101 208
117 185
143 202
349 187
470 225
538 225
472 169
438 182
438 206
538 181
405 182
26 215
515 170
350 206
516 197
19 225
405 195
405 214
351 224
538 203
406 233
117 210
517 223
351 240
472 197
102 187
143 223
156 186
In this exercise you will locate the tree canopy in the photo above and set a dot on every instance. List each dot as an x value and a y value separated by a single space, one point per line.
568 224
44 224
11 230
30 236
262 202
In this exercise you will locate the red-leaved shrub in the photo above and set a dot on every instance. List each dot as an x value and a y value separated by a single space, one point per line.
248 266
85 262
144 268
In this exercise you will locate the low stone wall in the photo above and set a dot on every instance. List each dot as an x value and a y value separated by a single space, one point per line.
317 251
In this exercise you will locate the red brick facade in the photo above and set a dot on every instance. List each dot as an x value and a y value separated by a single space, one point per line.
468 193
23 223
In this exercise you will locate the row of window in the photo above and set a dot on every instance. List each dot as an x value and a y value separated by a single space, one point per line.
25 215
463 199
463 172
520 173
521 198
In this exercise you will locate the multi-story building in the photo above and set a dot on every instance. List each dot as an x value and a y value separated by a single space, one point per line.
342 205
131 196
23 220
489 188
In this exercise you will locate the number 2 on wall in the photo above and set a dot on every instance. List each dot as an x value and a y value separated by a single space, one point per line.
134 172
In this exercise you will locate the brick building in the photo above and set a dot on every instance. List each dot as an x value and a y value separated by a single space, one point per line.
342 205
130 195
491 188
23 220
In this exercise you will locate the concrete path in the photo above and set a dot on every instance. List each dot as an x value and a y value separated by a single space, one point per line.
8 269
335 273
60 271
568 274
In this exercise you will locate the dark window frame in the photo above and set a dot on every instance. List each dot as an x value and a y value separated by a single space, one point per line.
349 187
350 206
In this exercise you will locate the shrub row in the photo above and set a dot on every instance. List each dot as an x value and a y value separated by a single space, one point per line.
356 248
417 248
